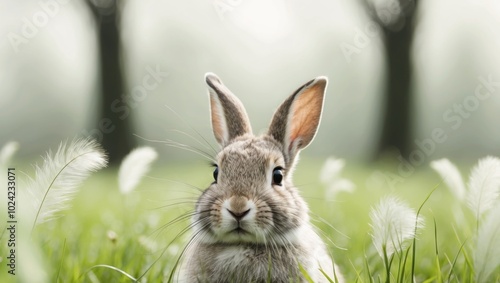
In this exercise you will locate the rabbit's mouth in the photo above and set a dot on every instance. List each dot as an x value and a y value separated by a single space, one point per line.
239 231
238 235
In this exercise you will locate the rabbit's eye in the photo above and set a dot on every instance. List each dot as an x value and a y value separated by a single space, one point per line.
277 176
216 173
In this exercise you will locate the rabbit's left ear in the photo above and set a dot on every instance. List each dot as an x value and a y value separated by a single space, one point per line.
296 121
229 118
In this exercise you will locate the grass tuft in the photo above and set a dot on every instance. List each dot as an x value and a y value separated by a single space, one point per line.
78 248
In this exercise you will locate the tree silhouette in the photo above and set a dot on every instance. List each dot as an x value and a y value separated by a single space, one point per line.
114 131
396 19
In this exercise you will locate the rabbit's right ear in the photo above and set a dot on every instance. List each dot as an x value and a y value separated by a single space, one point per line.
296 121
229 118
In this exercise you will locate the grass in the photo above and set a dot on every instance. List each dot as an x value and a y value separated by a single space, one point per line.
107 237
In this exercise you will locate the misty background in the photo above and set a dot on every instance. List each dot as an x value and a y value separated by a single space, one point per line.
404 76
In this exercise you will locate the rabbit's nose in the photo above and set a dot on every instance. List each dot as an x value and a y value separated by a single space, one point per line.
238 215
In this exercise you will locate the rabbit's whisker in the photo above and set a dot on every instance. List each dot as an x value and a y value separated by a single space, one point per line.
205 145
179 145
176 182
192 128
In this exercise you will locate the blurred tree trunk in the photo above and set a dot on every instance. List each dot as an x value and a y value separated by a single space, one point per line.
398 30
116 132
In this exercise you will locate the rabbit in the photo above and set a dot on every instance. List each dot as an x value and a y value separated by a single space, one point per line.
251 224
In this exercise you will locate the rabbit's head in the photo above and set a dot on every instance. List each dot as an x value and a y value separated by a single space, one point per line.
252 198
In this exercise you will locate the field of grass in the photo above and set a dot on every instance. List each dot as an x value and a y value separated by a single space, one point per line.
105 229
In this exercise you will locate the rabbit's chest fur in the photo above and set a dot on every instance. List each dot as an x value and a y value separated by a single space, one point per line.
247 263
257 262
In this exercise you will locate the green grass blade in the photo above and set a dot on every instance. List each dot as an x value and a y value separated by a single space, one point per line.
435 237
62 261
436 250
112 268
414 249
430 280
448 278
327 277
370 275
358 274
403 269
305 274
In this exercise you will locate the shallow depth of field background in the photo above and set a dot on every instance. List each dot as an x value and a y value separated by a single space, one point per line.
53 88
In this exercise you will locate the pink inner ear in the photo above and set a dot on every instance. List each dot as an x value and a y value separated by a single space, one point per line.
306 114
217 120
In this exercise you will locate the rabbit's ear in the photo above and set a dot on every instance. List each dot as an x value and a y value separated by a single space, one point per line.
229 118
295 122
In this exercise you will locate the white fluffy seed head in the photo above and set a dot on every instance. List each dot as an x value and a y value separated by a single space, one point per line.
134 166
451 177
7 152
331 169
486 259
484 185
393 225
57 180
330 176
